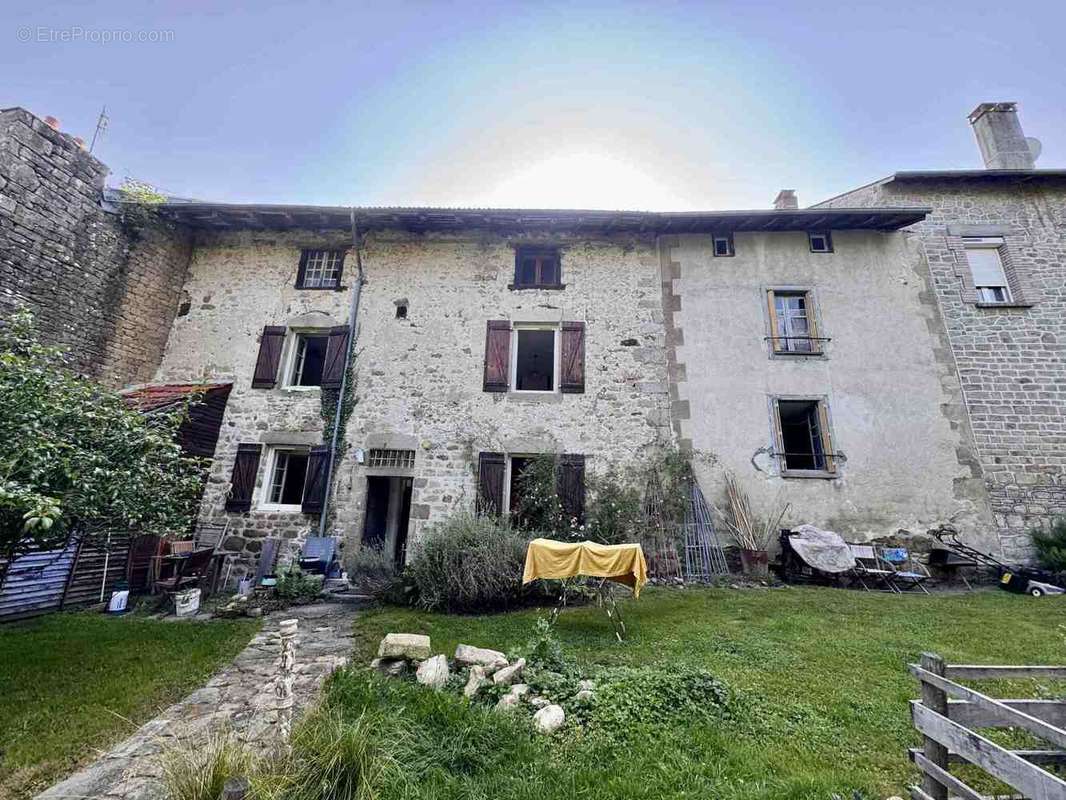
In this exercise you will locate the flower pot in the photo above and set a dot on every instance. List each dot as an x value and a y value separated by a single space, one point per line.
756 563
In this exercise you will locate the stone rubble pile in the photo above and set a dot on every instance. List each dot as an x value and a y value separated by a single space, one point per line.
400 654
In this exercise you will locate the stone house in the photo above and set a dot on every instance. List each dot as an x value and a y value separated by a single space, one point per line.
995 240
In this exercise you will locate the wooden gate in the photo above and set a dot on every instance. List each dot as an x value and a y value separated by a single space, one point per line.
948 714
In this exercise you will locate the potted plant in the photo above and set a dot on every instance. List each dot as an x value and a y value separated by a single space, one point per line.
752 534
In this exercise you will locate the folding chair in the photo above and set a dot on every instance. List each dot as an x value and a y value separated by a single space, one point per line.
190 571
212 536
909 572
869 567
319 554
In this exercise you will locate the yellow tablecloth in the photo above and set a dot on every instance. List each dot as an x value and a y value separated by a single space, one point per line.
622 563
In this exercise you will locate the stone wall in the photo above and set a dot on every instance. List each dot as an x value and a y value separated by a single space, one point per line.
1011 360
418 381
904 457
101 289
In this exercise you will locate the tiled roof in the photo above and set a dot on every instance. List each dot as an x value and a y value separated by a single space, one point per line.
153 398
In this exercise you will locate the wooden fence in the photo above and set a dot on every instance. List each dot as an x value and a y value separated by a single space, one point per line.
948 714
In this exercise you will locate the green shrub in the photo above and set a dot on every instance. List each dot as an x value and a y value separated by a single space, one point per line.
1051 545
199 773
372 571
295 584
469 563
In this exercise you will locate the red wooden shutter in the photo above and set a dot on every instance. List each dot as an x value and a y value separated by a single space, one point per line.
266 366
571 486
242 483
572 371
315 482
490 469
336 357
497 355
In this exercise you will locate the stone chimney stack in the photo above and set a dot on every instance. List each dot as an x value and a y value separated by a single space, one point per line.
999 135
786 199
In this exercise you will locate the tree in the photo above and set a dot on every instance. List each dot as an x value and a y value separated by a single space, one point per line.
75 458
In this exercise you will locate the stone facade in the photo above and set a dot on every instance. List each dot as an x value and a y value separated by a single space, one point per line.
418 379
1011 359
102 289
903 454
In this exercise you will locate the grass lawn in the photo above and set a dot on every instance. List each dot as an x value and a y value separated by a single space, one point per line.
819 678
72 685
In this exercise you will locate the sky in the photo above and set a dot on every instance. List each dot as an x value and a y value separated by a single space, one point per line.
648 106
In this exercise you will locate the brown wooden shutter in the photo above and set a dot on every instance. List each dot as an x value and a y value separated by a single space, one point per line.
336 357
242 483
572 371
779 435
497 355
776 345
315 483
266 366
571 486
812 323
301 271
490 471
827 443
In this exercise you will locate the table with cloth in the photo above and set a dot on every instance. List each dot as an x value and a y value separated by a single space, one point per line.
619 563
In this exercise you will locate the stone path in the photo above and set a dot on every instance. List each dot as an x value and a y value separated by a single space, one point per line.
238 700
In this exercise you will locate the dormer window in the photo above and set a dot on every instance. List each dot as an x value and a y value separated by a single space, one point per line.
820 242
320 269
537 268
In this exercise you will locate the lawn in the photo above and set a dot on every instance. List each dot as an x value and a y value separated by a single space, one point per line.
72 685
818 679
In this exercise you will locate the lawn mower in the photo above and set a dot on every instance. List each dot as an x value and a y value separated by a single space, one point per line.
1012 578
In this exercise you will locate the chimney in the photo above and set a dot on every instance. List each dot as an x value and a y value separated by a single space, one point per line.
999 135
786 199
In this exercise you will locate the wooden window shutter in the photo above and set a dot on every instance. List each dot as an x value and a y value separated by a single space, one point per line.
497 355
266 366
827 444
242 483
779 436
490 471
572 371
336 357
812 323
571 486
771 306
301 271
315 483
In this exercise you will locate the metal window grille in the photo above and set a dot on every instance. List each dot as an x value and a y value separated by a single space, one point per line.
323 268
392 459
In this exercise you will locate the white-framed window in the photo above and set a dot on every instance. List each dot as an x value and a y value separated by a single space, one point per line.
985 258
307 358
283 482
320 269
535 357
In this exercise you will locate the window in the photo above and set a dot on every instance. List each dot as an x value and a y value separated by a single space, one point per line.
284 485
986 265
803 443
502 490
792 324
535 365
537 268
308 360
820 242
320 269
723 245
391 459
515 488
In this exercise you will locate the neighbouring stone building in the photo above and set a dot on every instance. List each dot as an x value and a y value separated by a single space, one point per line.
995 241
105 288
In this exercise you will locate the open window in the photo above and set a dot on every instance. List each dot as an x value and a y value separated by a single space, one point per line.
803 444
534 357
535 367
283 487
308 359
501 490
793 328
537 268
985 258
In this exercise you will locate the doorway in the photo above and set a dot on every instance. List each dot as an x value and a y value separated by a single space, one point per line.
388 515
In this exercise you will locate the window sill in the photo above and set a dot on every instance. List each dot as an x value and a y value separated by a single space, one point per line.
816 474
321 288
554 287
1011 304
535 397
301 389
279 509
796 354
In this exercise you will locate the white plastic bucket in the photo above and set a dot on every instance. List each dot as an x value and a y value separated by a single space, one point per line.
187 603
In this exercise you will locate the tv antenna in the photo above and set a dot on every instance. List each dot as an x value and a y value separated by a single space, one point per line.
101 126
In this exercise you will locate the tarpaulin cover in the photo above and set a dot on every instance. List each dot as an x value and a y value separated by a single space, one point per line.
823 550
621 563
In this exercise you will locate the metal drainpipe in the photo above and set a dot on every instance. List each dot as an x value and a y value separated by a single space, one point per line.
353 316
